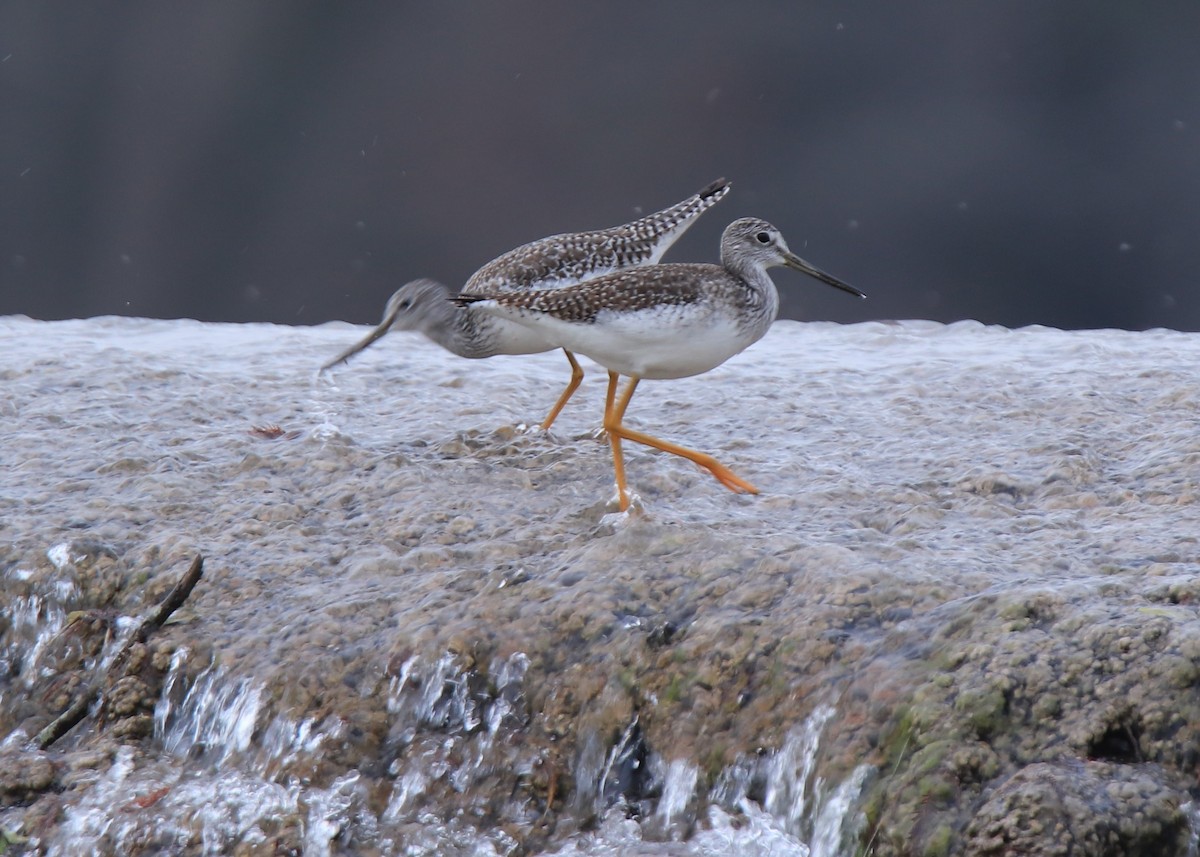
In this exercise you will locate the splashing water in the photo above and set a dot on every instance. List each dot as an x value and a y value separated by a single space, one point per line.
790 769
679 786
235 798
835 825
34 622
217 715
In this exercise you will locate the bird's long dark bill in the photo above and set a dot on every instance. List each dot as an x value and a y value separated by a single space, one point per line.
365 341
797 264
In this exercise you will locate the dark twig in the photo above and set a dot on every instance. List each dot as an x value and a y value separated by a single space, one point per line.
79 708
170 604
63 723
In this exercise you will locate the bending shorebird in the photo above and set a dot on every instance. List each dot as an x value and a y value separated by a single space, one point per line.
663 321
551 263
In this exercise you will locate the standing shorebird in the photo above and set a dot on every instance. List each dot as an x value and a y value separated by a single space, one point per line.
550 263
663 321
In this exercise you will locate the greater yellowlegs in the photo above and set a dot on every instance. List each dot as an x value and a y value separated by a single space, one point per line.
663 321
550 263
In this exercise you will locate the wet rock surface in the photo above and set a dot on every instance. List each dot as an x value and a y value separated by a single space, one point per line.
976 551
24 775
1079 807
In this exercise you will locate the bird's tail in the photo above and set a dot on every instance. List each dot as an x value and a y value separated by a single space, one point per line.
670 223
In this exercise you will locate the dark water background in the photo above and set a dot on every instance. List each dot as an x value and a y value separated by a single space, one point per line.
1012 162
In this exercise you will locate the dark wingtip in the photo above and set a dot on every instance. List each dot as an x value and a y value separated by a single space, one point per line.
464 299
720 186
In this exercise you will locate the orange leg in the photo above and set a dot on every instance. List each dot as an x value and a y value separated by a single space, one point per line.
576 378
613 423
614 440
611 396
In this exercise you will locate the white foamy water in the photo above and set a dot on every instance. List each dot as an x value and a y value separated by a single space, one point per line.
381 576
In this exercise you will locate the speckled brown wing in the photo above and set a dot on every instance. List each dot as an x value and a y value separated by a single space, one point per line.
625 291
561 260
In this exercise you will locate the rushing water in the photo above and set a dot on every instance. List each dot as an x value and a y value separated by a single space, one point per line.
404 588
234 797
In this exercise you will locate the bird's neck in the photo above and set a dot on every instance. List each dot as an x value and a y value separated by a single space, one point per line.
447 325
761 296
460 331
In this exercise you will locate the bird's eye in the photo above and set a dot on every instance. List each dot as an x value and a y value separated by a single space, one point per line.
763 238
405 304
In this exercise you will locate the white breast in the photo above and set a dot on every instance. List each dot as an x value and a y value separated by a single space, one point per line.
658 343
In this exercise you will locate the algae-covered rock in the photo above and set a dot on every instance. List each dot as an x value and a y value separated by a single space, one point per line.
25 775
1088 809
